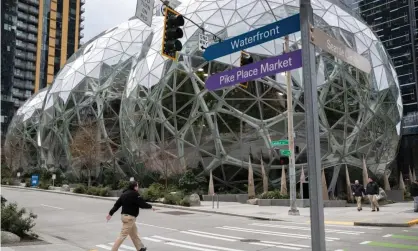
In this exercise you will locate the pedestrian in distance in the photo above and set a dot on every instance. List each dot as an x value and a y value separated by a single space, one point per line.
372 190
131 202
414 194
358 192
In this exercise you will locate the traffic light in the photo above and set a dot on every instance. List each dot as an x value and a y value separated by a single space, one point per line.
172 32
284 160
244 60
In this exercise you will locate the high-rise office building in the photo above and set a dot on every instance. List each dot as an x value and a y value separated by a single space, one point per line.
38 36
395 22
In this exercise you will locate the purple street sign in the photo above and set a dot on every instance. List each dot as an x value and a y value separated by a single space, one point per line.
266 67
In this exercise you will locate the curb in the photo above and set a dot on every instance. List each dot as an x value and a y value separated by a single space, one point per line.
372 224
152 203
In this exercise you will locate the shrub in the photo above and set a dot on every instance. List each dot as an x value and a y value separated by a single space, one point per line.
104 191
185 202
13 220
92 190
273 195
190 182
44 185
154 192
123 184
98 191
172 198
80 189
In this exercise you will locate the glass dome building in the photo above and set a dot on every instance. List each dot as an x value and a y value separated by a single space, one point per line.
135 106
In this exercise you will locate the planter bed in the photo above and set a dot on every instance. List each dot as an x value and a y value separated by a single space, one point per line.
299 203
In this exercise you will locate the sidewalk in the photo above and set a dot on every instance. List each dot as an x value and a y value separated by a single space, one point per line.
392 215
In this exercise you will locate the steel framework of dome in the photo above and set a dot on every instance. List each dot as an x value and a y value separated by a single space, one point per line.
147 109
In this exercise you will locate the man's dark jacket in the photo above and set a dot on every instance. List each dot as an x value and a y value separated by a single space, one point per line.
414 189
358 190
130 201
372 188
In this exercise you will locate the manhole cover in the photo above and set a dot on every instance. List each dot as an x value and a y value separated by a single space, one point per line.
176 213
250 240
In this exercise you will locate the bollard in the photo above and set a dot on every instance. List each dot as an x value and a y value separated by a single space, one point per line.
217 198
213 201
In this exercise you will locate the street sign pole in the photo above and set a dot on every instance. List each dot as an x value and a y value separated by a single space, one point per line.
292 173
312 128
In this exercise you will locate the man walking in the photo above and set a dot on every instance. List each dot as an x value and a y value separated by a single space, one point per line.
130 201
358 191
414 194
372 190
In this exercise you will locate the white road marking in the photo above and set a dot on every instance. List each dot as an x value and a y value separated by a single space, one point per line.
208 236
189 247
306 228
249 230
288 244
270 245
151 239
104 247
124 246
365 242
333 225
195 244
52 206
167 228
221 235
388 235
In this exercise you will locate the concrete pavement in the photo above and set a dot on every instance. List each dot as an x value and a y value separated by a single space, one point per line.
78 223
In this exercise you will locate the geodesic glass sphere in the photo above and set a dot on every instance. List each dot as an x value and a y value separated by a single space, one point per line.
170 121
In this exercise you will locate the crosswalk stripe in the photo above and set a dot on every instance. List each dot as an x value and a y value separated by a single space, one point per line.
271 245
250 230
104 247
306 228
195 244
221 235
151 239
287 244
124 246
189 247
208 236
333 225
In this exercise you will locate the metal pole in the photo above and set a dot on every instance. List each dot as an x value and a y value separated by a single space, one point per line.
213 201
217 199
312 128
292 172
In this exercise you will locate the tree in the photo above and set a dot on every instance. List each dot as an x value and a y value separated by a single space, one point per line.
158 158
86 147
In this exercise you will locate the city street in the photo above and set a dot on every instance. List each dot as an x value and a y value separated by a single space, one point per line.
77 223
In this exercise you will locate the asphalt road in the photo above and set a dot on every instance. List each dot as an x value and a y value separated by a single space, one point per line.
79 223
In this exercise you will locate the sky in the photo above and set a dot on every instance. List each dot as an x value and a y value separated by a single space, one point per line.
104 14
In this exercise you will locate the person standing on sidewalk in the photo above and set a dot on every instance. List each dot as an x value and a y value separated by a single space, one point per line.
414 194
130 201
358 191
372 190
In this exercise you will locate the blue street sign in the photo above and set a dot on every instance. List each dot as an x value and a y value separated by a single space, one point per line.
252 38
35 180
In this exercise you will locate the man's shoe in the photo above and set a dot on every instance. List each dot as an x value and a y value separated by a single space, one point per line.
358 209
143 249
378 209
361 208
373 210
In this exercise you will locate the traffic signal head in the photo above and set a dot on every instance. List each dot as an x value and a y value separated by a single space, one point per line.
284 160
172 32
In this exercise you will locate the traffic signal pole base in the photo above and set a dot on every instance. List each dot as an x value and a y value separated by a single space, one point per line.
294 212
